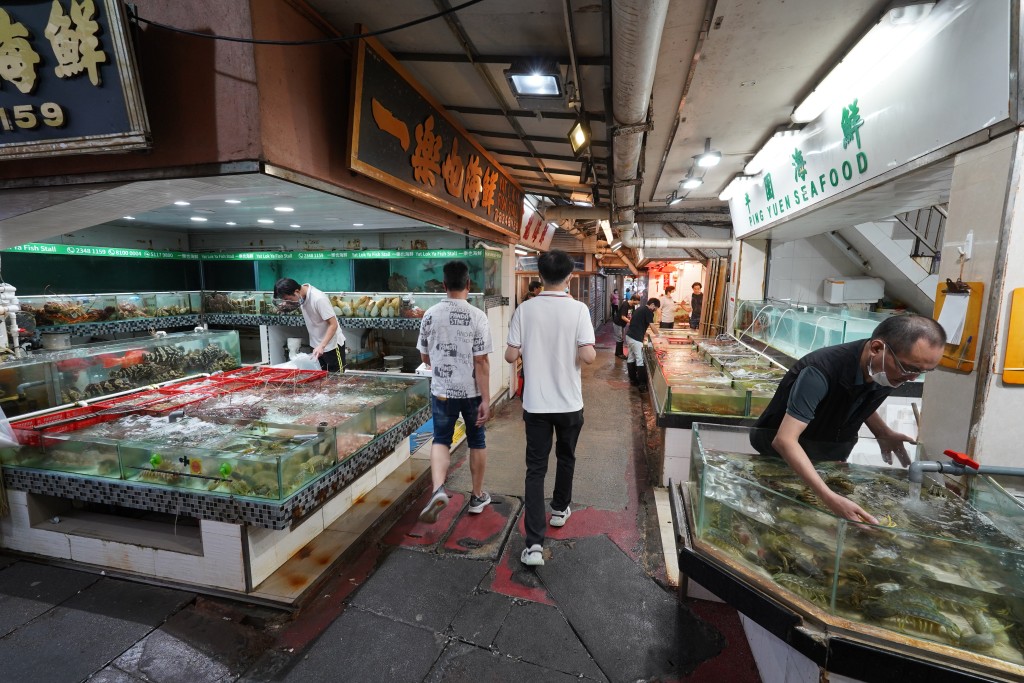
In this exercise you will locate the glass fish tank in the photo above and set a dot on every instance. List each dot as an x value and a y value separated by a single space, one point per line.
796 330
71 309
940 572
135 306
48 379
710 377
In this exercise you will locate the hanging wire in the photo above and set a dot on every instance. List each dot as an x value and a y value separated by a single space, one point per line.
322 41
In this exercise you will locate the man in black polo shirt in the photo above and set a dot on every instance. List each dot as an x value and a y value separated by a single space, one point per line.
643 317
828 394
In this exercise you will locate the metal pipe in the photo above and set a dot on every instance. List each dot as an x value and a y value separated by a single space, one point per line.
917 470
629 239
637 26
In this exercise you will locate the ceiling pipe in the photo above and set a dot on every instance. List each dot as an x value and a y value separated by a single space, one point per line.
637 26
630 239
575 213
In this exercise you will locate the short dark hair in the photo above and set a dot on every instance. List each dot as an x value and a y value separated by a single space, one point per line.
696 284
670 289
456 276
901 332
285 286
655 302
535 285
635 297
554 266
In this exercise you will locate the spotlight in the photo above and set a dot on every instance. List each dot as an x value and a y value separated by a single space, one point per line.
692 183
709 157
538 79
579 137
673 198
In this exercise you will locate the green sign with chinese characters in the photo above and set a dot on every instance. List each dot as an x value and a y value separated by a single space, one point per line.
68 82
82 250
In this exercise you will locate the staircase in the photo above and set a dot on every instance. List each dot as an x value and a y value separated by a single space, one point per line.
905 251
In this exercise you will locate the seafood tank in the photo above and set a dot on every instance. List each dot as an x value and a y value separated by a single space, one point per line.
256 432
940 572
720 377
94 308
796 330
51 378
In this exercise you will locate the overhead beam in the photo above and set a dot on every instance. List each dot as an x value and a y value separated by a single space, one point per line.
524 113
454 58
513 153
531 138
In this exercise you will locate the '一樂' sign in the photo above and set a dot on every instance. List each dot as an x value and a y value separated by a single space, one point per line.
68 82
400 136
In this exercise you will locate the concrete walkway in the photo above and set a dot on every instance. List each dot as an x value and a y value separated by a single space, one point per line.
442 602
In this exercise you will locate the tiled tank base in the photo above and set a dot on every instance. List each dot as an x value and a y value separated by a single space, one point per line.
224 551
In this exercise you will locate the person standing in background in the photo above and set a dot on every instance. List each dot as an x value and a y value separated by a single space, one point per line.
668 309
454 341
554 337
622 316
325 334
533 289
614 306
642 318
696 305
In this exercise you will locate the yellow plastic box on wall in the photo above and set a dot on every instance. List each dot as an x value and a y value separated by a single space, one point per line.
1013 368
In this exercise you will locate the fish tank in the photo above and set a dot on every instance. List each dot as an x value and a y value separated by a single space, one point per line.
135 306
710 378
796 330
393 271
940 572
48 379
73 309
173 303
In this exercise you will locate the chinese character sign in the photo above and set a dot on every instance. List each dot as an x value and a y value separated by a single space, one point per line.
67 76
438 161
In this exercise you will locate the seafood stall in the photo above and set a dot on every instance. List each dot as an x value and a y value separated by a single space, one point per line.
86 314
245 466
936 589
692 379
48 379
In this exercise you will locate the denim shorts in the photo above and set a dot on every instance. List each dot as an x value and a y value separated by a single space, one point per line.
447 411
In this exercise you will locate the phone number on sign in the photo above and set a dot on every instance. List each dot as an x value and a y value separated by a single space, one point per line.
29 117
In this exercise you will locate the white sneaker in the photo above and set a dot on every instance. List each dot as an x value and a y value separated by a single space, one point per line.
533 556
558 517
437 503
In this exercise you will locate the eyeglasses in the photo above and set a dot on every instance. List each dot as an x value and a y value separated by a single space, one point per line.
906 371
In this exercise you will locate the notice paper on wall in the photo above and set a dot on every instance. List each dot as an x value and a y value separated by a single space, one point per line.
953 316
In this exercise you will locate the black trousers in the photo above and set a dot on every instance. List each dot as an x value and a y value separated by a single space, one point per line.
539 427
333 360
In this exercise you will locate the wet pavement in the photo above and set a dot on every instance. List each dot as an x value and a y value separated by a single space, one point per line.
442 602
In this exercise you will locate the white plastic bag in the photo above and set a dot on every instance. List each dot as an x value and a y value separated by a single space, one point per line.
7 438
301 361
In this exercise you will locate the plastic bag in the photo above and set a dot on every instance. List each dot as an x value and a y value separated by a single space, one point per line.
301 361
7 437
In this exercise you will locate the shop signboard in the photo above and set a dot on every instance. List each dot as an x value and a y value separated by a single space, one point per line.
84 250
536 233
402 137
68 82
955 84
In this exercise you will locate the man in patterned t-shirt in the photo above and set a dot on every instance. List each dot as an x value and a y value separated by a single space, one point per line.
454 341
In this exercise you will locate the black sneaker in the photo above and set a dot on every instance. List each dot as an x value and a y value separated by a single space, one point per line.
437 503
478 503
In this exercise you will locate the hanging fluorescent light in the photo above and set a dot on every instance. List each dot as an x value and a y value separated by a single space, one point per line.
881 51
778 144
709 157
617 245
522 252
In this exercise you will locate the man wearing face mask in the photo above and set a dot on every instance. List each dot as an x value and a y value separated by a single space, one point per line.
325 334
828 394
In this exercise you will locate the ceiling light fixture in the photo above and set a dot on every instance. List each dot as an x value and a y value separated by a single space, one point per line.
232 201
673 198
283 209
521 252
709 157
232 223
692 182
265 221
294 225
579 137
357 225
198 219
879 52
617 245
182 203
542 78
129 218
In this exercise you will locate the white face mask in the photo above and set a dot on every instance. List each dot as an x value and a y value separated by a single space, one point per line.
880 377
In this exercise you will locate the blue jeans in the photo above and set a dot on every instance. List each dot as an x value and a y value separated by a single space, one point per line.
446 412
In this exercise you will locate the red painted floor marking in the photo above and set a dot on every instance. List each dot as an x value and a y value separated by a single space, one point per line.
505 581
409 531
478 529
735 663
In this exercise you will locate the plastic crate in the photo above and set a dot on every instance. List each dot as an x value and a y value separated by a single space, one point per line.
126 403
292 376
169 401
28 431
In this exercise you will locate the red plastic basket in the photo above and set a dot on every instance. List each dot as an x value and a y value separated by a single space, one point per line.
170 400
128 402
29 432
292 376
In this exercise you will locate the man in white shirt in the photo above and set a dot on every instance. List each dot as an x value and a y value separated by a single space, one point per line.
325 334
668 309
553 335
454 341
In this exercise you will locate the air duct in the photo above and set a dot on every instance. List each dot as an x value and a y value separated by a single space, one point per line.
630 239
637 26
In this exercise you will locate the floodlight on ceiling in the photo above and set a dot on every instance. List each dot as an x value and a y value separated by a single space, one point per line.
579 137
673 198
692 183
541 78
896 36
709 157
